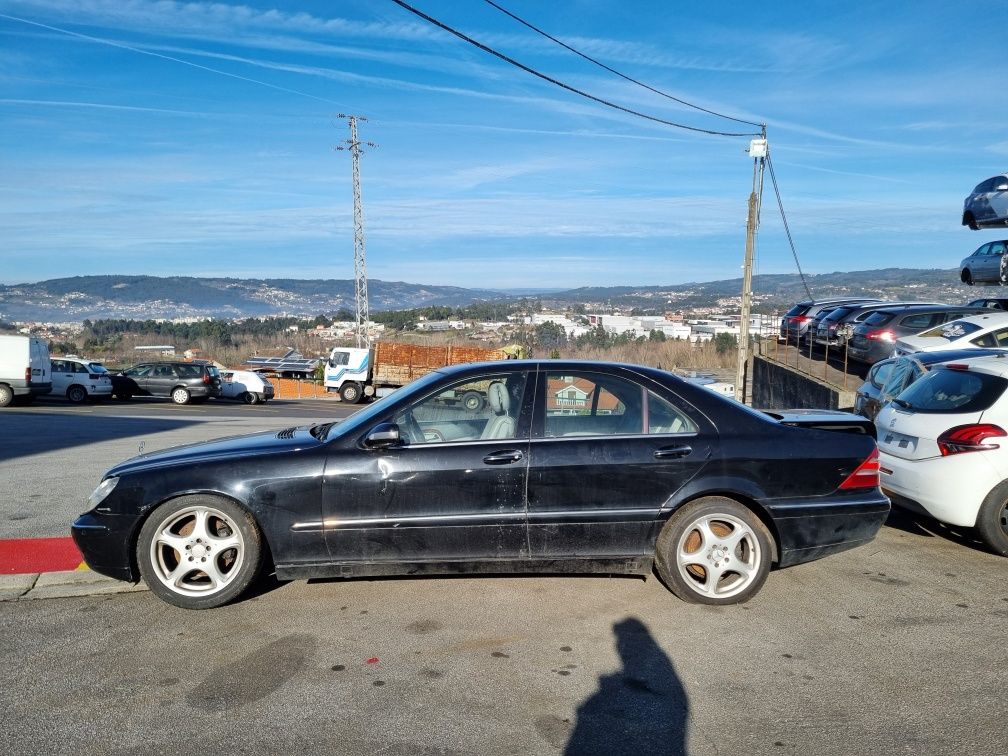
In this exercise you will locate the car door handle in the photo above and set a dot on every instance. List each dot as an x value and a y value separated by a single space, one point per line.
673 452
503 457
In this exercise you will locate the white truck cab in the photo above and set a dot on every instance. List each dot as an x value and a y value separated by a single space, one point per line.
348 372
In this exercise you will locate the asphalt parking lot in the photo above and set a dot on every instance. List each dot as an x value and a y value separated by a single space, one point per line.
898 646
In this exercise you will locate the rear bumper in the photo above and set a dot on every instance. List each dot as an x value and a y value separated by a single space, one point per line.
104 541
809 530
950 489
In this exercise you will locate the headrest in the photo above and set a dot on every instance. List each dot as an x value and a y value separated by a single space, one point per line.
498 398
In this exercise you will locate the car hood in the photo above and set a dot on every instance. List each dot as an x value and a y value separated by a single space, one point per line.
266 442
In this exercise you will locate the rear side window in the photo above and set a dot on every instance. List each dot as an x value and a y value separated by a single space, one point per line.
953 391
918 322
879 318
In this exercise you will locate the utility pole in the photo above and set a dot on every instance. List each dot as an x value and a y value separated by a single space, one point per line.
758 152
353 145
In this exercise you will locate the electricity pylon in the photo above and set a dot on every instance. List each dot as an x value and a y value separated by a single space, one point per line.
353 146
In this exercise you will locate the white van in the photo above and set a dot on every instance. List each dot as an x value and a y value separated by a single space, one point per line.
245 386
25 370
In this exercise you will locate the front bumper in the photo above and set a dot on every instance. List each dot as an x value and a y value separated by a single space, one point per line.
809 530
105 542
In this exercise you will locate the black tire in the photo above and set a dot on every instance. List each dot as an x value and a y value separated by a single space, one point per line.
180 395
76 394
687 573
966 277
472 401
234 567
249 398
969 220
124 396
992 520
351 393
6 395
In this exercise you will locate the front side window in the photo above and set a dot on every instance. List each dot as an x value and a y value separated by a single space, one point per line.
139 371
339 358
476 409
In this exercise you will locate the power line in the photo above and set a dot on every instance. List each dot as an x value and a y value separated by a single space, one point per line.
773 180
559 83
632 80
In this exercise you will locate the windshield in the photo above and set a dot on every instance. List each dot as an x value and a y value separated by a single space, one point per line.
329 431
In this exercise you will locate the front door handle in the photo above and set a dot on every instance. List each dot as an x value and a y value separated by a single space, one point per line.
503 457
673 452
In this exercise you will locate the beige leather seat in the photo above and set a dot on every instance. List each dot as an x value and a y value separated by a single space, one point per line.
501 425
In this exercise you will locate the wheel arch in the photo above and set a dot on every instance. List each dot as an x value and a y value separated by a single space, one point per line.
151 508
745 500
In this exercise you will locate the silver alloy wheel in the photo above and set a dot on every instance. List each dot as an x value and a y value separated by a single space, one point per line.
197 551
180 396
718 555
76 394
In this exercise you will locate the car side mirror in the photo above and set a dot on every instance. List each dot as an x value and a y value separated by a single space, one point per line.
383 436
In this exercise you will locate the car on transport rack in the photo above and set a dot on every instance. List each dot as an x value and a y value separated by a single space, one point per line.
987 265
567 467
987 205
943 447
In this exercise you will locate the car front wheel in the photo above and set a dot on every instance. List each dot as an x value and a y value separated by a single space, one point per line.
351 393
199 552
714 551
180 396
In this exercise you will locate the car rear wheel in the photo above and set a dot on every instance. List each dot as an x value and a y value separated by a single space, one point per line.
992 520
969 220
77 394
249 398
199 552
6 395
714 551
180 395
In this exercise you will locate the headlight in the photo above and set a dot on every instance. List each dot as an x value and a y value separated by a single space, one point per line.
100 493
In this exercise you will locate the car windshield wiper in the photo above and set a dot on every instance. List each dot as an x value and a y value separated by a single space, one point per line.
902 403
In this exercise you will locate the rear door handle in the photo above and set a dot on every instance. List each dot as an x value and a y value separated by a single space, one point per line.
503 457
673 452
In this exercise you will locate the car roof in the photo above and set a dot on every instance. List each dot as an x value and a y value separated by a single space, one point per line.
992 364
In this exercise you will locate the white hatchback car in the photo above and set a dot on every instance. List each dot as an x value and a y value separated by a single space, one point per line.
943 447
987 331
246 386
79 379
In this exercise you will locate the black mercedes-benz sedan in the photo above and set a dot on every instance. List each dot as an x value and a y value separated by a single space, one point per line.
566 467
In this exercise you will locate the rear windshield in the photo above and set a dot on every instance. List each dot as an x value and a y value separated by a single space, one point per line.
953 391
798 309
954 330
879 318
839 312
96 367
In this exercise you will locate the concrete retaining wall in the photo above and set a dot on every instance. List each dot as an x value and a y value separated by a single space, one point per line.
777 386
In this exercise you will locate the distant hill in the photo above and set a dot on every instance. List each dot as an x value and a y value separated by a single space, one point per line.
80 297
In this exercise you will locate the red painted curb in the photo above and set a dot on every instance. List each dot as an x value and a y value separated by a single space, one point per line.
22 556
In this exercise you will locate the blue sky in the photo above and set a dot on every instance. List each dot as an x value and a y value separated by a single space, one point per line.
121 151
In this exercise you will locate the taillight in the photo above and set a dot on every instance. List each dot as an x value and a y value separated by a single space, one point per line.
882 334
865 476
969 438
799 319
206 378
27 374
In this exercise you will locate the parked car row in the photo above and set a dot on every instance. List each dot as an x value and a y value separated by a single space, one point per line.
185 382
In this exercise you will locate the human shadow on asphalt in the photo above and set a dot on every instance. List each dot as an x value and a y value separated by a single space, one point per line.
641 709
36 432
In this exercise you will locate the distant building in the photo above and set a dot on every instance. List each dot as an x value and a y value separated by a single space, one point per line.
163 350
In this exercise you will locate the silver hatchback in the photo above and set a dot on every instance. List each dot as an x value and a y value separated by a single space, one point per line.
987 204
